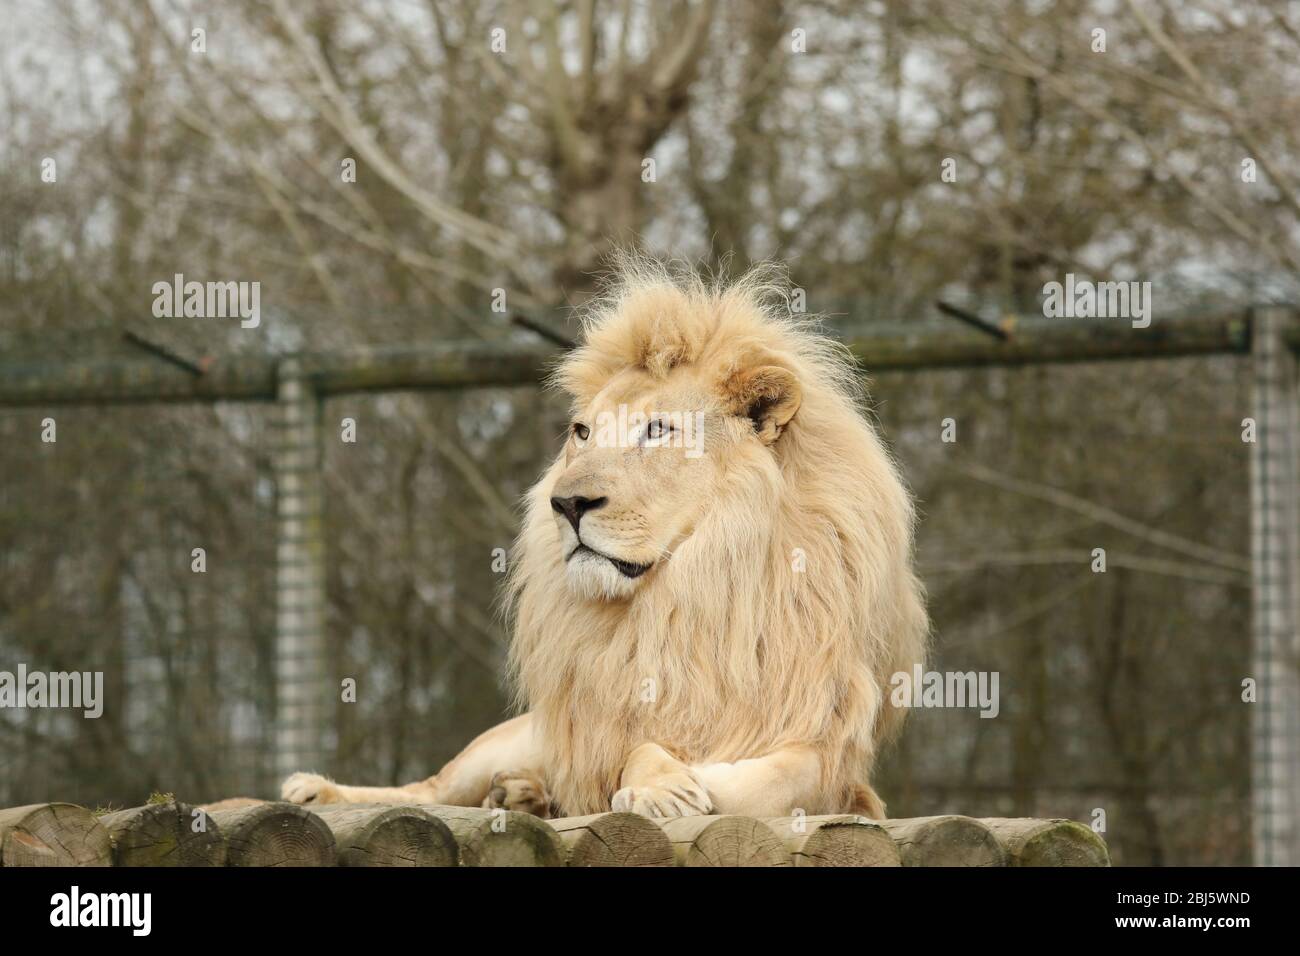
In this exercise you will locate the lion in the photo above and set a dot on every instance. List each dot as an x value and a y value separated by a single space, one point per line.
714 580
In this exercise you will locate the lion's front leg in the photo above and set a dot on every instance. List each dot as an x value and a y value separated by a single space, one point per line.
778 784
508 756
656 784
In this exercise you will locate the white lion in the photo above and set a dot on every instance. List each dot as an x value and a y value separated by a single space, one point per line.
702 622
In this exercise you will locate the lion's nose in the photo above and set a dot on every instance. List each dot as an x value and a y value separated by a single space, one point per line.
574 508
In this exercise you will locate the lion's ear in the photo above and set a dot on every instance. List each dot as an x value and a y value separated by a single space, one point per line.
768 396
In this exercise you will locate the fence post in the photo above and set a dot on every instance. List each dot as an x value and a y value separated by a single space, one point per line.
302 697
1275 612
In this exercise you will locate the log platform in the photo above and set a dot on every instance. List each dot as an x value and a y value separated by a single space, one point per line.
256 833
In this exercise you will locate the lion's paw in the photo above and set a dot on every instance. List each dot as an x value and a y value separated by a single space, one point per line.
519 790
682 797
310 788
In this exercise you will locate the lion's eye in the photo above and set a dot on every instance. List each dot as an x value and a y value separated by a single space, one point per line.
657 429
581 431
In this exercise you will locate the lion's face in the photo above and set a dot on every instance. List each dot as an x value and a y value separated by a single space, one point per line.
642 462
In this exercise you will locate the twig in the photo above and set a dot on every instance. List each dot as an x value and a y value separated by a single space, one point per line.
971 319
167 354
544 330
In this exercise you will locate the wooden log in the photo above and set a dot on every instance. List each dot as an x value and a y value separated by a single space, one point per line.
878 346
164 834
1036 340
1029 842
614 839
724 841
836 840
111 379
501 837
275 834
379 835
53 834
945 841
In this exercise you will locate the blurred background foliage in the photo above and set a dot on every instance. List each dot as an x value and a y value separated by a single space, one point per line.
520 170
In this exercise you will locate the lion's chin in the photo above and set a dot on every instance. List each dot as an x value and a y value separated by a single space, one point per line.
593 577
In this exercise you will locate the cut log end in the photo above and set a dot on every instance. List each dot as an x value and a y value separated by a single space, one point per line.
53 834
1031 842
501 837
275 834
614 839
368 835
945 841
165 834
836 840
724 841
